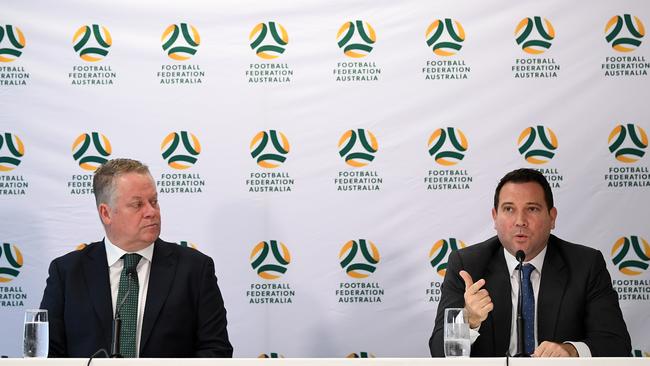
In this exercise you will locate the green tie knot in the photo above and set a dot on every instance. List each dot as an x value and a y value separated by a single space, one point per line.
131 261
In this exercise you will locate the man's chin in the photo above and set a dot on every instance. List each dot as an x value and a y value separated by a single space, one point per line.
151 235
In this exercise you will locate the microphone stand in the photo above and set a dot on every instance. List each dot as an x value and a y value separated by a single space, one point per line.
520 255
117 321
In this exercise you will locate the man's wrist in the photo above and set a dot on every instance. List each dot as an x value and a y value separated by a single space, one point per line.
571 349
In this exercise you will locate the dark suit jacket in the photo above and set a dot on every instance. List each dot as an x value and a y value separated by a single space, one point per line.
576 299
184 314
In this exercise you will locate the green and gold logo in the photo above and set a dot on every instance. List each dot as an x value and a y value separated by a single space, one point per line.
270 155
628 142
16 42
360 355
640 353
359 258
270 355
439 253
441 46
15 149
356 38
187 244
270 267
536 42
542 152
89 50
631 255
269 40
89 159
178 157
358 147
180 49
14 258
444 153
624 42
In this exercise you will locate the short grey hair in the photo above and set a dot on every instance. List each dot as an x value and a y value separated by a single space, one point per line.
105 176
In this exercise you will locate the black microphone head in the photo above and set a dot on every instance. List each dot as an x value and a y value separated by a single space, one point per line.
520 255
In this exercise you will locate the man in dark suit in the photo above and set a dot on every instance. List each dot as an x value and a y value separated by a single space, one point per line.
577 311
167 295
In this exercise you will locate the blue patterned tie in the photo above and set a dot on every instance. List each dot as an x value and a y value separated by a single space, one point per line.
129 311
528 309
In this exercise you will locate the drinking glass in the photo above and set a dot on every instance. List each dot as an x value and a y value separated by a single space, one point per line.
37 335
457 342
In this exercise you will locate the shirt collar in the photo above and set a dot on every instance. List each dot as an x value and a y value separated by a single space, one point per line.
512 262
115 253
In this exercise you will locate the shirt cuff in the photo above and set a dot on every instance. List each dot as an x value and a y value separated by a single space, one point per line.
473 334
581 347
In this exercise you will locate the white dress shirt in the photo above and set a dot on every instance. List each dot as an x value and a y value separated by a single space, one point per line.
115 264
535 279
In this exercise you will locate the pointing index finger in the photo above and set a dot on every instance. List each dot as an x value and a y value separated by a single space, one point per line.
467 278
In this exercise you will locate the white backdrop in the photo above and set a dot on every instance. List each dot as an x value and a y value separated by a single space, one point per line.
578 87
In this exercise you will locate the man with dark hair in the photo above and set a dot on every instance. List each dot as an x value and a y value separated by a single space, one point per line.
166 295
570 307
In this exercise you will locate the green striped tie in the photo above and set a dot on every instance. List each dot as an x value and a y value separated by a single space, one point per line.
129 311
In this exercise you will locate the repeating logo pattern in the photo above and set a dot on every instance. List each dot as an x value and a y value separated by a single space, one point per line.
531 43
620 42
273 266
439 253
631 255
270 155
455 151
86 48
359 258
537 154
628 142
269 40
177 157
88 159
14 147
359 46
436 31
174 46
358 147
11 50
14 258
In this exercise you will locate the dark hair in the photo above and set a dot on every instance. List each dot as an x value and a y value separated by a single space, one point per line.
525 175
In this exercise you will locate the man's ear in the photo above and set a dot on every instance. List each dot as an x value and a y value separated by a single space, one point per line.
104 213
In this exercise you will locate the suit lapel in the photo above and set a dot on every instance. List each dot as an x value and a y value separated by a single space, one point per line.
163 269
99 288
497 282
551 291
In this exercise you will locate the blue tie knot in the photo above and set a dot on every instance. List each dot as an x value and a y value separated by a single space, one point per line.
527 270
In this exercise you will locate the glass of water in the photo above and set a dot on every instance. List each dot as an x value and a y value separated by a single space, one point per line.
37 335
457 342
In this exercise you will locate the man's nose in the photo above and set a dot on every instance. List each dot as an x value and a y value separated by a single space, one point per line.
149 210
521 219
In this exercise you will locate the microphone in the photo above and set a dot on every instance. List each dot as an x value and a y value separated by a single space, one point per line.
117 321
520 256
